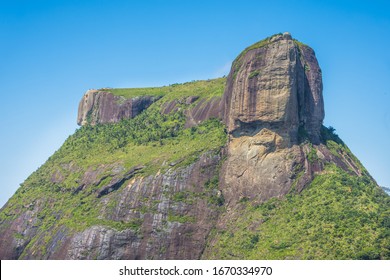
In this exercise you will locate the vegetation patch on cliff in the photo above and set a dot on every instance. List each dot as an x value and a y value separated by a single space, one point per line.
204 89
64 192
338 216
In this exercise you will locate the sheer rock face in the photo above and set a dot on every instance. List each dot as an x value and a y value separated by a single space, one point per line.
173 214
104 107
273 95
278 83
162 234
204 109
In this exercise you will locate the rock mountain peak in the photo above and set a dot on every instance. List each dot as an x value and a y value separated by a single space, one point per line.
272 97
276 81
265 181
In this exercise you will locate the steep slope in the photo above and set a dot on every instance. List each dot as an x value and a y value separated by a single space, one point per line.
338 215
133 189
100 106
273 94
227 168
273 110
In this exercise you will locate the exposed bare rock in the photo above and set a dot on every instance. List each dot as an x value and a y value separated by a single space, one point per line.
273 111
279 82
104 107
15 237
174 223
116 182
203 110
260 167
273 93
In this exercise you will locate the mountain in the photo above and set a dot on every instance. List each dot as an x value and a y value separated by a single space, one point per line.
386 189
231 168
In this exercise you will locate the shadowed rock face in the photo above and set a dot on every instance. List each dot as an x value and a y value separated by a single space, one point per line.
272 96
173 212
104 107
204 109
278 83
157 238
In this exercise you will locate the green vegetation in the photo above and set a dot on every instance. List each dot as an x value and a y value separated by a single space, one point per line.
300 44
338 148
338 216
238 61
153 140
180 219
312 156
254 74
256 45
203 89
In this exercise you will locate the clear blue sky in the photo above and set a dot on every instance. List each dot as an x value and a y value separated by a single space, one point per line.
51 52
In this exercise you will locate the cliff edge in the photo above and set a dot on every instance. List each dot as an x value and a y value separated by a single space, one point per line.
275 82
101 106
230 168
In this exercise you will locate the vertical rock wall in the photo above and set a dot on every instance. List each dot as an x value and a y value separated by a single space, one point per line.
276 84
273 96
104 107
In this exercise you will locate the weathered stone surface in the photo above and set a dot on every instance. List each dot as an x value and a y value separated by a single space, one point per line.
311 106
261 167
273 94
174 224
277 83
104 107
15 236
258 167
202 110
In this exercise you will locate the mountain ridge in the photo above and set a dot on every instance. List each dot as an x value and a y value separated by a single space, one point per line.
232 168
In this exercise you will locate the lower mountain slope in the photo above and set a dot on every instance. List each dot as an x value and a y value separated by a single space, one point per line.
232 168
149 188
101 180
339 215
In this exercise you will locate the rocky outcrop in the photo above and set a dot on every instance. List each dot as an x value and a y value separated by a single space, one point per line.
104 107
273 110
276 82
174 223
203 110
196 109
171 216
273 94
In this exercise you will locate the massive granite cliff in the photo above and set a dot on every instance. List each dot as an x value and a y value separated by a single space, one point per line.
275 82
240 167
273 96
101 106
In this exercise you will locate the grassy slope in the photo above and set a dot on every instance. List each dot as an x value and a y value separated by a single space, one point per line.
339 216
151 139
203 89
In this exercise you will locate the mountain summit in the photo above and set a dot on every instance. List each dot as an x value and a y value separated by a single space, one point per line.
231 168
276 81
